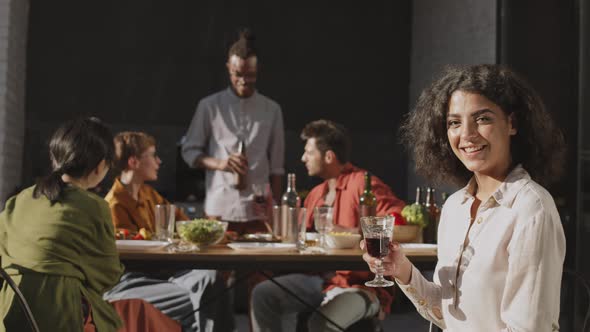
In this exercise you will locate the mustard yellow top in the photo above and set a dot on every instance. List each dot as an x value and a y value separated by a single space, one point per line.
134 214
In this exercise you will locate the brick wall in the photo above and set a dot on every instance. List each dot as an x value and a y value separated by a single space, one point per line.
13 40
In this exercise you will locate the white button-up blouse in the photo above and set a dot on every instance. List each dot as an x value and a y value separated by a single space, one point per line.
503 274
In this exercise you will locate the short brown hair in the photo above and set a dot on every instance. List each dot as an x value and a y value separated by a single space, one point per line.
538 144
329 136
130 144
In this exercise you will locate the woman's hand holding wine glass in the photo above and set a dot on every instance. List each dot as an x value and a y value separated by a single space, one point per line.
378 231
395 263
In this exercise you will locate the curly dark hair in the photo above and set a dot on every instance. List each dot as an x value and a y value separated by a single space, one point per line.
329 136
245 46
538 144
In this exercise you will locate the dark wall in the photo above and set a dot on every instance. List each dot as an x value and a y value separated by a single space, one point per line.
582 232
448 32
144 65
539 39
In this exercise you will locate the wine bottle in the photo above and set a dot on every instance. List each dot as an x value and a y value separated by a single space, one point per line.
433 216
290 197
444 197
240 179
419 196
367 201
290 203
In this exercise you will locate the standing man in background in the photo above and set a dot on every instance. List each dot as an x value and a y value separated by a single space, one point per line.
223 120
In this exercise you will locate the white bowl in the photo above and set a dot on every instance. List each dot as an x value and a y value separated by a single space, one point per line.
342 240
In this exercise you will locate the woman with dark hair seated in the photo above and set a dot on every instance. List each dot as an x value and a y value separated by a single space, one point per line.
56 238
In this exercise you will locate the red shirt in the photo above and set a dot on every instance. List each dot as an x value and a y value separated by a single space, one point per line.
350 185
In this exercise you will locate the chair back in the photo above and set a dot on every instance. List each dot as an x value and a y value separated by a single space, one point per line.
21 299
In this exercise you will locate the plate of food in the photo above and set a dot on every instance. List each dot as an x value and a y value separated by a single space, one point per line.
262 246
140 245
258 237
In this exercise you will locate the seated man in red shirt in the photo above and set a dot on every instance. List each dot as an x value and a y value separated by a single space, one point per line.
341 296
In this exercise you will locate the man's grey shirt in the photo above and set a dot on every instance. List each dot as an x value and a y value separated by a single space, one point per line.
221 120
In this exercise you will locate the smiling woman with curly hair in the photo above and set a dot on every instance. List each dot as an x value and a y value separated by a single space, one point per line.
538 146
500 240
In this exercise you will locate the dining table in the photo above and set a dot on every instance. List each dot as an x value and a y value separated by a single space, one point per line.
264 258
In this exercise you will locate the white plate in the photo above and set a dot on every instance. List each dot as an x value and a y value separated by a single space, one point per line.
140 244
418 245
262 246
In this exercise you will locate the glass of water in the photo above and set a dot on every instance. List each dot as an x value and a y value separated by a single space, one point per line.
322 218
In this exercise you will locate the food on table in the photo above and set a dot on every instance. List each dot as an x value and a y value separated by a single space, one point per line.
342 240
125 234
146 234
122 234
416 214
201 231
340 233
399 220
231 236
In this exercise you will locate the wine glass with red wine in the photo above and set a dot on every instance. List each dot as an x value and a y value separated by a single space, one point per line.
377 232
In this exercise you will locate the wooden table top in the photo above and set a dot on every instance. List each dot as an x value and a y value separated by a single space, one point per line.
223 257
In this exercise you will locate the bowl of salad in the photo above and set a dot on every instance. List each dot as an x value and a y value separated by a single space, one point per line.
201 232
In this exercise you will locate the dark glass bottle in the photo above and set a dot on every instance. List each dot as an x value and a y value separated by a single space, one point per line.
290 197
433 212
368 201
444 196
430 233
419 196
240 179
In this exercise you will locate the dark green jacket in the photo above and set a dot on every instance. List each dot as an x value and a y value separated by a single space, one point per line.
58 254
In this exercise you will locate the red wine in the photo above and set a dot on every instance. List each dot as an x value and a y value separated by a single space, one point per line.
259 199
377 247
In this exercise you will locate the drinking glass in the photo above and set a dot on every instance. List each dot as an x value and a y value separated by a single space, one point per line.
322 217
165 216
261 193
276 221
377 232
302 228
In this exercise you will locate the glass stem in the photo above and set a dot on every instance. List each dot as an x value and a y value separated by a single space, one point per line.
378 270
